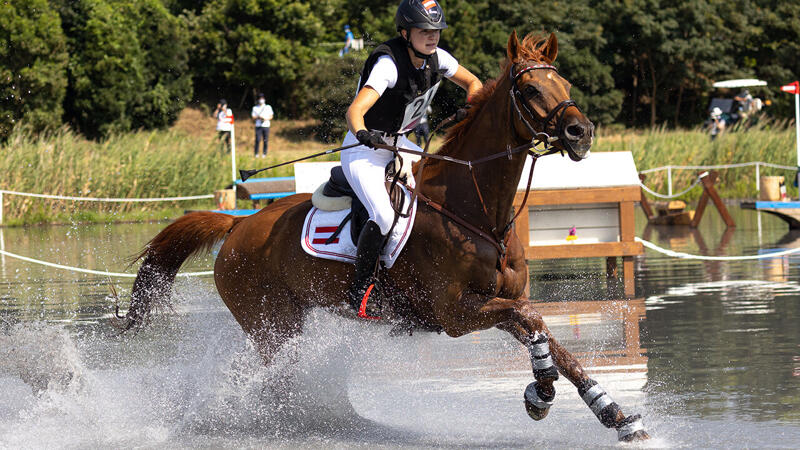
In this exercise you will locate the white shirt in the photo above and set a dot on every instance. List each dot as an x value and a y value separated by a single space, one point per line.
384 73
222 120
263 114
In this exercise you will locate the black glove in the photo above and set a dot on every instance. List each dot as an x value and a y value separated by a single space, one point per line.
461 113
369 138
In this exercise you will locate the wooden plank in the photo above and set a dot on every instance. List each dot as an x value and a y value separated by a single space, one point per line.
584 250
577 196
574 206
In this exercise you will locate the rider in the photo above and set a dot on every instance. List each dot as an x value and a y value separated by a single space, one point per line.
398 82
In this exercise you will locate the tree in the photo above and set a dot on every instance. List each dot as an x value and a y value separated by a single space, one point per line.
128 65
245 46
165 64
33 62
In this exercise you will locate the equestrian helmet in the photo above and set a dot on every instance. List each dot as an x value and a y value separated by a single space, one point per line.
424 14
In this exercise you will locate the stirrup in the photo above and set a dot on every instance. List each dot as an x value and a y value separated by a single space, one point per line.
362 309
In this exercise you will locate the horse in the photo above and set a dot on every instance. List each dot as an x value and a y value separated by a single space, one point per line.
460 272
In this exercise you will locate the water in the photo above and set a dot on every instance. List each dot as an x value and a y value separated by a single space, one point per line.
707 352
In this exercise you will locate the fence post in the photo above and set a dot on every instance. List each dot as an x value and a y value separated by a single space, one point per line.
758 178
1 208
669 181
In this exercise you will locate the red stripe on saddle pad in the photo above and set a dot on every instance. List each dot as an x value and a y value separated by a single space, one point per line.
324 240
325 229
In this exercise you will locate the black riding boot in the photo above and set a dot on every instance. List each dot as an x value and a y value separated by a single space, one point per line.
370 244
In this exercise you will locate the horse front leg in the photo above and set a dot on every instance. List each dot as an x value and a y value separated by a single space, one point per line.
606 410
548 358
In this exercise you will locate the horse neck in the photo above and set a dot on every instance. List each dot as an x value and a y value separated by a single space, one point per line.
490 132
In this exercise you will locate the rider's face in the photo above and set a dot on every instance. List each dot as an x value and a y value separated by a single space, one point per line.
425 41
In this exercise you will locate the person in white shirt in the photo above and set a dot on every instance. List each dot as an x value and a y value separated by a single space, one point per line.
224 117
261 114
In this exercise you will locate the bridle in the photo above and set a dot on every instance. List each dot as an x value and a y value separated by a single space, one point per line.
558 113
540 138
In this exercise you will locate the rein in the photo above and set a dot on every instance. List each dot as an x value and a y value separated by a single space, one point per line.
537 139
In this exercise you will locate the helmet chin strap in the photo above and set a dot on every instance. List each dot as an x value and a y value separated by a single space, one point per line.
417 53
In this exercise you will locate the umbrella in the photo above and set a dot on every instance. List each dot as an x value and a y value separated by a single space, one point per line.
739 83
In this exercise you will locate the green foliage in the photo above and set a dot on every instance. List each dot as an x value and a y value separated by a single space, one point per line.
246 46
33 62
116 65
128 65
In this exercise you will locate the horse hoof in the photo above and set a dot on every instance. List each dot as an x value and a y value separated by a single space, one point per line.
535 405
631 429
640 435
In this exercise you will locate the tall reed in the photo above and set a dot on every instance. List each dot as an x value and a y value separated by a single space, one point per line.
768 141
164 163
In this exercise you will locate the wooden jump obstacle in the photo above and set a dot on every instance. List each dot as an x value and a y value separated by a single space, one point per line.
667 215
583 210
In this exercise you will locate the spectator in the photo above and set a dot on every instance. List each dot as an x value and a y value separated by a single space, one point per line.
422 130
716 123
224 117
261 114
745 103
348 41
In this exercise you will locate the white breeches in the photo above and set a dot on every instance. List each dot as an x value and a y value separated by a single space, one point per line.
365 170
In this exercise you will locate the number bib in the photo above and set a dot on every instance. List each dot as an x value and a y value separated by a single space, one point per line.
416 109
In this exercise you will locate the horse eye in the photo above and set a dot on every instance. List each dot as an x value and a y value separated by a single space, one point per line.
531 91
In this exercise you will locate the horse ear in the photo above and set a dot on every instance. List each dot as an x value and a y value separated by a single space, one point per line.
550 49
513 47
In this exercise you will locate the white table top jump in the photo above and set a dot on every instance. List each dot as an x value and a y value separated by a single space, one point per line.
600 169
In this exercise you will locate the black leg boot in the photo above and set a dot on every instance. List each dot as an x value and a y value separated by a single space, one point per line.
370 244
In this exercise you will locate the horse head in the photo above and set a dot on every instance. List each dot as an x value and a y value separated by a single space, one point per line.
541 99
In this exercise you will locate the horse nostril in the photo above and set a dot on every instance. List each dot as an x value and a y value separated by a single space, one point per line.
575 131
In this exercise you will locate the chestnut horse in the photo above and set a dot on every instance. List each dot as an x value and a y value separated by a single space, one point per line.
450 277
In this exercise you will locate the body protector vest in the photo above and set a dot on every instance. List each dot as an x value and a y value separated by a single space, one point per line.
401 107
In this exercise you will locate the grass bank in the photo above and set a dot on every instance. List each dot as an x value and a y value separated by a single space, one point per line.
185 160
188 160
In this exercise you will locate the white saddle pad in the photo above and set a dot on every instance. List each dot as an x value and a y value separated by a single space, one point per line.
320 225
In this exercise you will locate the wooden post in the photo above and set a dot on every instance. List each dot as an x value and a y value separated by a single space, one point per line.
522 227
611 267
708 180
643 202
627 233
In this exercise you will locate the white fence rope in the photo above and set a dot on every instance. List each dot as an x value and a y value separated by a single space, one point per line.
651 192
721 166
93 272
108 199
683 255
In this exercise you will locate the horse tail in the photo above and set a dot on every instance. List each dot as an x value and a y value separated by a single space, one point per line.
189 235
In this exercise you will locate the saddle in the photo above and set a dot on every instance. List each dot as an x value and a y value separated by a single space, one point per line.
336 195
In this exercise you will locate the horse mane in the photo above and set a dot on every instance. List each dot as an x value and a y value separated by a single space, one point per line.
530 50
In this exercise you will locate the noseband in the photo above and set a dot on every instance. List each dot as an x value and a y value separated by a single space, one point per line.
558 113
